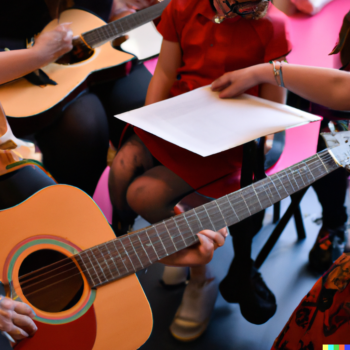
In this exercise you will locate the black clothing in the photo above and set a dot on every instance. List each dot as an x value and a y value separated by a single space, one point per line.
20 184
331 189
74 147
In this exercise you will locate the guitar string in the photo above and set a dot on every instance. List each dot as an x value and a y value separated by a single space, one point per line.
142 16
79 274
104 261
61 266
71 262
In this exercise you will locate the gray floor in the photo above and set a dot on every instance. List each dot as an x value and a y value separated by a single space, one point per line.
285 272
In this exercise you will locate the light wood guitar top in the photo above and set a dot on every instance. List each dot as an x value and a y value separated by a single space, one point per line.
22 99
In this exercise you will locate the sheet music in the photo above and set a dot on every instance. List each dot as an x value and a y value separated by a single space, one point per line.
201 122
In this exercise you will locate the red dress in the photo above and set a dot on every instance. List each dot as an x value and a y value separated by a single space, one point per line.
208 51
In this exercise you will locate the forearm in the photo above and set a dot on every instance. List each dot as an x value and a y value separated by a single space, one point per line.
159 88
273 93
17 63
328 87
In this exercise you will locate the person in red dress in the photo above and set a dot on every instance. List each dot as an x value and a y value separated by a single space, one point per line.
202 39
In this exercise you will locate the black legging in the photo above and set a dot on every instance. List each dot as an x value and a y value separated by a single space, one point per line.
19 185
75 146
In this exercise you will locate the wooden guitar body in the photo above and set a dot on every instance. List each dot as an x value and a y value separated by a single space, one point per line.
21 99
62 220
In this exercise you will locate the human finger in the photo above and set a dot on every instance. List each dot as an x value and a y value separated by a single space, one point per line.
218 238
17 333
25 323
221 83
24 309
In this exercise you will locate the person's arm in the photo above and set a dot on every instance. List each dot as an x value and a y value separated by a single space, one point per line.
122 8
48 47
325 86
200 253
16 319
165 73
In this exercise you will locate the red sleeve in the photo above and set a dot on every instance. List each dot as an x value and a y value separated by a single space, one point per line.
167 24
273 32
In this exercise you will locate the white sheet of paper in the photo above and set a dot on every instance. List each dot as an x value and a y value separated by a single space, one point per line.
144 42
201 122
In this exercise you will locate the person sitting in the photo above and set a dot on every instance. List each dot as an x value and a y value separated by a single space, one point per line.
149 175
75 144
322 317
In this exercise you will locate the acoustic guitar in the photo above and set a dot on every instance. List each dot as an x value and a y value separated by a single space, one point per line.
93 59
59 254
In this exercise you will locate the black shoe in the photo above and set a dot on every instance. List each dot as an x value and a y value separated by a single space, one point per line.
256 301
328 247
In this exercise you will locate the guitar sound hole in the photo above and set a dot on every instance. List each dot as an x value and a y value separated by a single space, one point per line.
50 281
79 53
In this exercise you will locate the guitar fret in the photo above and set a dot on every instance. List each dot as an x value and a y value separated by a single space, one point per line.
284 187
103 263
193 222
143 247
204 218
111 258
257 197
139 251
322 162
157 243
168 234
124 255
93 256
234 211
85 270
120 257
182 229
215 215
289 180
132 255
152 246
97 275
117 28
165 238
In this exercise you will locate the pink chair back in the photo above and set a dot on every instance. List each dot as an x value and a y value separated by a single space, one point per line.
101 195
300 143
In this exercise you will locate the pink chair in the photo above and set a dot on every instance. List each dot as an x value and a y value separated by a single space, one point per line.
101 195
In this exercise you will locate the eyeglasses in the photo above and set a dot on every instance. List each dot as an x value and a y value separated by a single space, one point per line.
232 7
226 7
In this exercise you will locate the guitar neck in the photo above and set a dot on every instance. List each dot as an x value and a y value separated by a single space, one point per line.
131 253
108 32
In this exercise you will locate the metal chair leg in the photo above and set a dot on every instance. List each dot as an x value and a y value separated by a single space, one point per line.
294 205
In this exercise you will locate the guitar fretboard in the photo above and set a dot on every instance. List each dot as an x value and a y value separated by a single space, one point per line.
108 32
131 253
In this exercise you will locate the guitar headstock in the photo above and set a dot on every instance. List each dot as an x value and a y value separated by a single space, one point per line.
338 144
